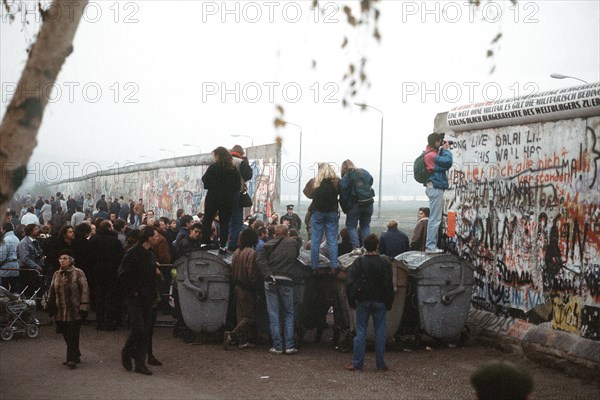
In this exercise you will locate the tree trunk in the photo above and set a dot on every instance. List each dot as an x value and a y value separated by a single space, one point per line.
23 117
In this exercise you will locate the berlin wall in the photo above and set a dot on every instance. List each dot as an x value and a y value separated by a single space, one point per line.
169 184
525 188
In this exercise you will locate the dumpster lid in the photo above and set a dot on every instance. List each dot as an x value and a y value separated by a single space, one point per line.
304 258
416 259
346 260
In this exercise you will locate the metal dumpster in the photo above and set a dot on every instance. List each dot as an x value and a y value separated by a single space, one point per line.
443 284
393 316
320 295
204 290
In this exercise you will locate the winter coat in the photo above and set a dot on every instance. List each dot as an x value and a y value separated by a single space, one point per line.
162 250
243 167
278 258
244 272
347 188
8 255
393 242
137 277
30 254
221 184
105 254
325 197
420 235
379 277
69 294
437 163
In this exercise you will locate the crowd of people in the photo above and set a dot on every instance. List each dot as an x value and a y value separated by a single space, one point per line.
105 255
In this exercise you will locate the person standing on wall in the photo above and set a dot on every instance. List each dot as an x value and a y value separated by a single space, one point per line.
237 213
222 182
438 160
356 200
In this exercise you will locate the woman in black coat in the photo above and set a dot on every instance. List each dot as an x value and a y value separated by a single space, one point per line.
222 182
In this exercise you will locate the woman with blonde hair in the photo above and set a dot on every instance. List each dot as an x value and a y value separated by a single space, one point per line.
323 190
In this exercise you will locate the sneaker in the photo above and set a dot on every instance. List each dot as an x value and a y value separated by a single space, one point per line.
223 250
293 350
434 251
351 367
356 252
384 368
226 340
275 351
246 345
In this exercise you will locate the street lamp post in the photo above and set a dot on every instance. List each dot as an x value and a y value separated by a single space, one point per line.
380 155
168 151
193 145
561 76
299 161
246 136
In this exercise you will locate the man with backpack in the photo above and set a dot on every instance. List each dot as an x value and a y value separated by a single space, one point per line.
437 159
356 199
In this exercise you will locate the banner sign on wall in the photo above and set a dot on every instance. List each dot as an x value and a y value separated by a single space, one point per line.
572 102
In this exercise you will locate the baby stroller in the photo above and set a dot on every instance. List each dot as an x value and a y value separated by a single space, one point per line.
16 316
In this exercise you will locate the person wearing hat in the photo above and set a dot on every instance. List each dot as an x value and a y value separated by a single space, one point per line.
292 218
68 302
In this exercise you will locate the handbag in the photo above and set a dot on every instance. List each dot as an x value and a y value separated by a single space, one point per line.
245 200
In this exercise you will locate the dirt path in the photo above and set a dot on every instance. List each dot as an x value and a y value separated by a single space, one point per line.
31 369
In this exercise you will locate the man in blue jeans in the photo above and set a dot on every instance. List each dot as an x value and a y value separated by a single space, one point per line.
369 289
356 200
277 263
438 160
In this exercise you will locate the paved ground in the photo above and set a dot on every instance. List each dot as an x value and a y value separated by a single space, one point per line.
31 369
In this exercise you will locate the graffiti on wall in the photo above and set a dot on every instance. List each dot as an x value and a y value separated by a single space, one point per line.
527 200
165 190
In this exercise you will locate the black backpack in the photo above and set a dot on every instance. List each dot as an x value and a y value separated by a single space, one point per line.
420 170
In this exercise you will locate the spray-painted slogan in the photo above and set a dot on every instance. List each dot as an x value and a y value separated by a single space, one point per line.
528 216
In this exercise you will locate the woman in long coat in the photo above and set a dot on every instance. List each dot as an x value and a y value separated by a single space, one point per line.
68 302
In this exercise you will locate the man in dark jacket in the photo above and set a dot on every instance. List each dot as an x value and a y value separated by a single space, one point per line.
105 253
277 263
369 289
137 283
394 241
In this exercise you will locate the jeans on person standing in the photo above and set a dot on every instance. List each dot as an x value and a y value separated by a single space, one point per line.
281 294
436 205
359 214
320 221
236 222
364 309
137 220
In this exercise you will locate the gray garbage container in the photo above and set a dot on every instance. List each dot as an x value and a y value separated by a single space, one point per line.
203 286
394 316
443 285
